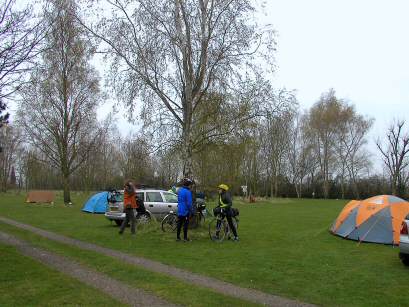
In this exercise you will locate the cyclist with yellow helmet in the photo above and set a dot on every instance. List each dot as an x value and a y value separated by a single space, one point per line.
224 204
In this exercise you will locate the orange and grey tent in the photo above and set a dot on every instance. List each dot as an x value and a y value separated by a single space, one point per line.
40 197
376 219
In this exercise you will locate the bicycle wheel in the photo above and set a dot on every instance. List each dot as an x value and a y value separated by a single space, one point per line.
169 223
194 221
217 231
202 219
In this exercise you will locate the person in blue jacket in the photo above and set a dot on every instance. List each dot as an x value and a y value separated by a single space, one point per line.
185 208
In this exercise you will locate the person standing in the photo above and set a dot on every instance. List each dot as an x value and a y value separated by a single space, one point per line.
225 203
129 206
185 209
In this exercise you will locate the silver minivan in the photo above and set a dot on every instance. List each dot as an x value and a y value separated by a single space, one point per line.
158 203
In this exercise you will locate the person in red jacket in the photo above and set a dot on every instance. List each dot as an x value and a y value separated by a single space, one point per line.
129 206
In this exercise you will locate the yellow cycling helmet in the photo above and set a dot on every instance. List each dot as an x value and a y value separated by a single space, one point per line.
223 186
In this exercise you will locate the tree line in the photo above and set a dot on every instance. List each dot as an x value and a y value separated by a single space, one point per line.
194 73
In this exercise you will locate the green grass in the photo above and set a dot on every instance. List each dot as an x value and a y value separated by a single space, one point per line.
168 288
25 282
285 249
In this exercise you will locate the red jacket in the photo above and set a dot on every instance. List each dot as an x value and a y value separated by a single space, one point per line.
130 199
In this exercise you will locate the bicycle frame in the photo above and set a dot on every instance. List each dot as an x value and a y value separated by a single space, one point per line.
222 228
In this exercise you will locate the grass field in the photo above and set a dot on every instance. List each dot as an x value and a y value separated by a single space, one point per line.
285 249
24 282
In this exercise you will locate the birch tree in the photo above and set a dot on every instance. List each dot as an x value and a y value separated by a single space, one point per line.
171 53
58 109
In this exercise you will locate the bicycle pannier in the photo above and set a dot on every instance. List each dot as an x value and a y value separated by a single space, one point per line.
234 212
217 211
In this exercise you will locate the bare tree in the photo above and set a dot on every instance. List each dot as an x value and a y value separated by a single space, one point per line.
3 118
19 38
135 160
323 120
171 53
350 147
300 157
58 110
395 156
20 34
11 143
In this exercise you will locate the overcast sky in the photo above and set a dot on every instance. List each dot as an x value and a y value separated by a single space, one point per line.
358 47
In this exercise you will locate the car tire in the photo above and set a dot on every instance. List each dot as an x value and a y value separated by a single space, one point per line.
143 218
118 222
404 258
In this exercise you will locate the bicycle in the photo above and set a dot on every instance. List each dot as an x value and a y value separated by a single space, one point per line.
169 222
219 227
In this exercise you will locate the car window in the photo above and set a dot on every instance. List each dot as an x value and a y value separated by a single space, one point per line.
140 195
170 197
116 197
154 197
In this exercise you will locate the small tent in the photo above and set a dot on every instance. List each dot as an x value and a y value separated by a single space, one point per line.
376 219
97 203
40 197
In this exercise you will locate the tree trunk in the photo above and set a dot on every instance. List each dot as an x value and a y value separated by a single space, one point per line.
275 185
297 189
394 190
187 157
342 189
66 184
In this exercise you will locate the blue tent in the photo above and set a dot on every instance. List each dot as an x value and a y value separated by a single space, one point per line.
97 203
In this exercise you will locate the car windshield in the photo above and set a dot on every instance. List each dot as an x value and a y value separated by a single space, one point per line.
116 197
170 197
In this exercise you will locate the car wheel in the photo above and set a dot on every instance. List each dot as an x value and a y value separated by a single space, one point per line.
404 258
118 222
143 218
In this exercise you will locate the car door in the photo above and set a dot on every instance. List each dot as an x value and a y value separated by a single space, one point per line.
154 202
171 201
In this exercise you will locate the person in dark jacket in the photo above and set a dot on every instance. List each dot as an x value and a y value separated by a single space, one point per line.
129 206
225 203
185 209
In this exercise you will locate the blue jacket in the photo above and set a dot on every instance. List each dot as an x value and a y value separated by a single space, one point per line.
184 202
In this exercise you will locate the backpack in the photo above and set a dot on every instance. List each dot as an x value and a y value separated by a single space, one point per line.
141 206
234 212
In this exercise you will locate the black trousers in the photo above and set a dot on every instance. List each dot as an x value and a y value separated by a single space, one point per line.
129 217
231 225
228 214
182 220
